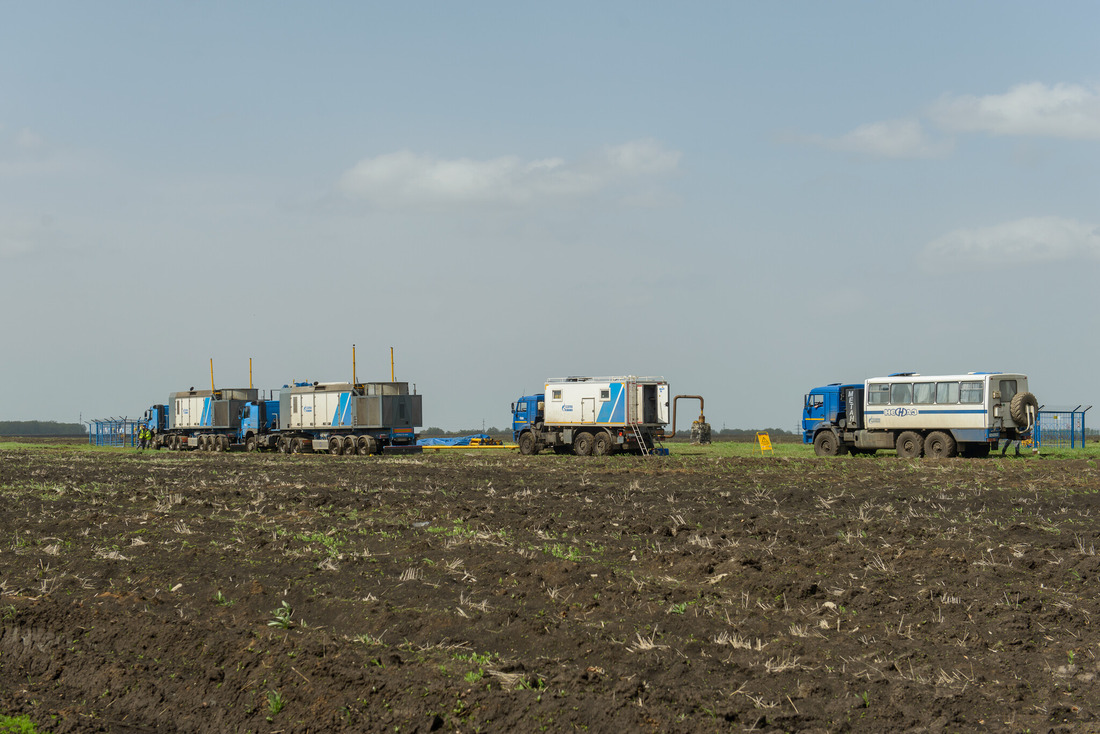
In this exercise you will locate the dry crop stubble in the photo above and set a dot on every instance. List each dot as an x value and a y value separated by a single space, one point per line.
863 593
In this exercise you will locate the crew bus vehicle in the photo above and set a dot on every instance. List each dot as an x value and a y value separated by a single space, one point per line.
937 416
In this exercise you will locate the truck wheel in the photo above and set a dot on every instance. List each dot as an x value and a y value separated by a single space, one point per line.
335 445
582 444
222 443
910 445
826 443
349 446
366 445
602 445
939 445
251 445
527 444
283 445
1018 408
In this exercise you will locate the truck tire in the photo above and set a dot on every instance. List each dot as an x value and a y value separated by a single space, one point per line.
366 445
223 443
602 444
349 446
1018 408
283 445
335 445
826 443
527 444
251 444
910 445
582 444
939 445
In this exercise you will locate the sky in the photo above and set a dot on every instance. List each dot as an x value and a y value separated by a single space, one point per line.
749 199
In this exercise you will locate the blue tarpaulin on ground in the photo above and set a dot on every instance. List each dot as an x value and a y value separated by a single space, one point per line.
460 441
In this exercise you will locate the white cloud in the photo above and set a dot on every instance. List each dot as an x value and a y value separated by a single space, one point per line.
405 178
12 247
28 139
1067 111
903 138
1024 241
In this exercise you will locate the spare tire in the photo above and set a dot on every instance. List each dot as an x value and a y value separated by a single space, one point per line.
1019 405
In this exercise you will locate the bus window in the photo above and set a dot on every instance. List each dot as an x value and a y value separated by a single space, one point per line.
901 393
971 392
947 393
923 392
878 394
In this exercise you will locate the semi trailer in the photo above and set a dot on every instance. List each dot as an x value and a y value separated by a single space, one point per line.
340 418
593 416
937 416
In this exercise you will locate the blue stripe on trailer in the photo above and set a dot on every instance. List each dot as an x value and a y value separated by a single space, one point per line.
342 408
614 410
923 411
205 420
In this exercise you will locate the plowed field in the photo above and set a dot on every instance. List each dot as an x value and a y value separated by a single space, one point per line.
493 592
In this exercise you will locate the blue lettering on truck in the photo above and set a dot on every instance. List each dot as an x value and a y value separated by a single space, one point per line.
567 408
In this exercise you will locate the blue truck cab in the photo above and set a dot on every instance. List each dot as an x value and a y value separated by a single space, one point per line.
527 412
156 418
826 406
259 422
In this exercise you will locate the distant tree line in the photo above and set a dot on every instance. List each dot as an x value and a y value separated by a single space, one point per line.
41 428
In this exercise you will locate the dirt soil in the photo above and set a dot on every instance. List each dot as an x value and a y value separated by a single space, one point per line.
492 592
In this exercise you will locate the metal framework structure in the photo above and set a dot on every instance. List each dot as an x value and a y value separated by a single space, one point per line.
114 432
1061 427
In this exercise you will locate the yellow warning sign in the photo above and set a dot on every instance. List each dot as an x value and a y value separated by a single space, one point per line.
764 442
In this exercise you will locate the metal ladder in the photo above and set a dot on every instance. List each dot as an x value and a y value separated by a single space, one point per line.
640 439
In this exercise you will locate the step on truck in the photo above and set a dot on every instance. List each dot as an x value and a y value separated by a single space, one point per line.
593 416
919 415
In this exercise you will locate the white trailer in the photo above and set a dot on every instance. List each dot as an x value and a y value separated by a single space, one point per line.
593 415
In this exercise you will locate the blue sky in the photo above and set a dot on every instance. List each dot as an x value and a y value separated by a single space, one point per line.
749 199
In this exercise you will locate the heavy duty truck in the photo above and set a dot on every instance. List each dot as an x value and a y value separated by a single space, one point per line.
340 418
593 416
935 416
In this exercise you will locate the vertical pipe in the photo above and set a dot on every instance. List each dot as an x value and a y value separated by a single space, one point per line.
211 374
354 377
392 377
250 373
